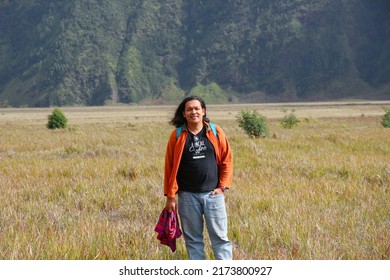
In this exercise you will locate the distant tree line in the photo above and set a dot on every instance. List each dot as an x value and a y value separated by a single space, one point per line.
107 51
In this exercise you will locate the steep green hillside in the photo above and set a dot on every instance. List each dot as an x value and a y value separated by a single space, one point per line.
95 52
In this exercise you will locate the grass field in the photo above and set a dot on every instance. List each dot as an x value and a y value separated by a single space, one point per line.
94 191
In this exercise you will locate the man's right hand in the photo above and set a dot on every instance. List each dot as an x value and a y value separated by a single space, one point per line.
170 204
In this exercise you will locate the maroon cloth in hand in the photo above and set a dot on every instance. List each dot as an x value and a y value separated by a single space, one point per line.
168 229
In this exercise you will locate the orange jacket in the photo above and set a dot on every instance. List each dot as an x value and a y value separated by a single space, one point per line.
175 150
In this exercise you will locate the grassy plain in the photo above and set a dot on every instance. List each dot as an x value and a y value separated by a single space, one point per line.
94 191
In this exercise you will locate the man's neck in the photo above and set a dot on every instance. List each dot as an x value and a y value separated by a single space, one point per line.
195 128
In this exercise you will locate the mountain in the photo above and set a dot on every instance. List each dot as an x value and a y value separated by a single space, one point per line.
96 52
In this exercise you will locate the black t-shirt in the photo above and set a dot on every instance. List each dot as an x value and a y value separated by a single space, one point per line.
198 170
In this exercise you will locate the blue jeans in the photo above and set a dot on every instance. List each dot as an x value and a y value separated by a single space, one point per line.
192 208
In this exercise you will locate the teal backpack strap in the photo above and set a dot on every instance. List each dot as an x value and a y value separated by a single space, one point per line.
214 129
178 132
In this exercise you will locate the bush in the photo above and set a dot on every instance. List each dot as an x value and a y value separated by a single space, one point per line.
57 120
253 123
386 119
290 120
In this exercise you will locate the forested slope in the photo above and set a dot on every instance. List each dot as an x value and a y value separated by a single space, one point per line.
95 52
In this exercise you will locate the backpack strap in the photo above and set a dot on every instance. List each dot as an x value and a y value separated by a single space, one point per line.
180 128
178 131
214 129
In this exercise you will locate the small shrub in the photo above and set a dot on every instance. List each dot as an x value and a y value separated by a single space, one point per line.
386 119
253 123
57 120
290 120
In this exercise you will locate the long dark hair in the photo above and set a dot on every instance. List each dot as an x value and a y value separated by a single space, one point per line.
178 119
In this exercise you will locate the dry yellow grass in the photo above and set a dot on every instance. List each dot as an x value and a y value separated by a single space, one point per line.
94 191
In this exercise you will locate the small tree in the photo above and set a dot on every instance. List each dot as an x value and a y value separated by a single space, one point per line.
253 123
386 119
290 120
57 120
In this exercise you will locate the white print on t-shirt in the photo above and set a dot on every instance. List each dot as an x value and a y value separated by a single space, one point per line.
198 148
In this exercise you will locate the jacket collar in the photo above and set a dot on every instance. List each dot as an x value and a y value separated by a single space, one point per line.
205 124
